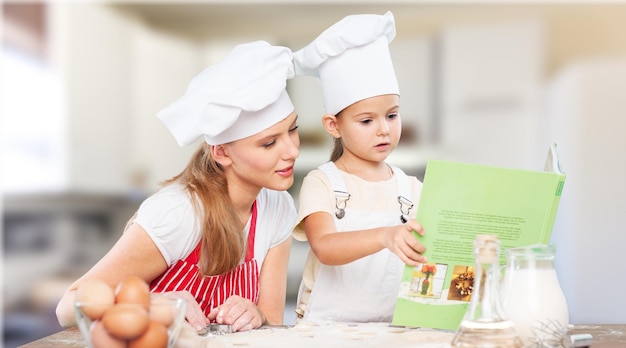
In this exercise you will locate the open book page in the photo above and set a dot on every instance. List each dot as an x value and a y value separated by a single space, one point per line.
459 201
553 162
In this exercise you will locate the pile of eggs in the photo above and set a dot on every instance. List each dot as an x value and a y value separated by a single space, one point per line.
127 316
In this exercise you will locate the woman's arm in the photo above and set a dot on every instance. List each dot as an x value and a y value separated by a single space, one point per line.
133 254
241 313
273 283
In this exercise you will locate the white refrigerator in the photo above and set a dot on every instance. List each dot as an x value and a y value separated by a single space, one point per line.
586 116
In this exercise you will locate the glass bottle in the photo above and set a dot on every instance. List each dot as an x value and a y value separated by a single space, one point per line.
485 323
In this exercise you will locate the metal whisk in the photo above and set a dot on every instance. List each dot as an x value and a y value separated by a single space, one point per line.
551 334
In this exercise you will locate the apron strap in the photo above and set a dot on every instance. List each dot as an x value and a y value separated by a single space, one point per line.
404 191
251 234
194 257
334 176
339 187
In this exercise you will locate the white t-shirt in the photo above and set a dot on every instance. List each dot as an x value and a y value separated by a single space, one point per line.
170 220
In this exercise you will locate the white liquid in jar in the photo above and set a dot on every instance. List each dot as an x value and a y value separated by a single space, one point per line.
531 297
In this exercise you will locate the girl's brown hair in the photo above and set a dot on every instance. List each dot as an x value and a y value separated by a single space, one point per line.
337 149
337 146
222 233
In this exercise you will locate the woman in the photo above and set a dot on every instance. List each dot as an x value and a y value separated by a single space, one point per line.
226 218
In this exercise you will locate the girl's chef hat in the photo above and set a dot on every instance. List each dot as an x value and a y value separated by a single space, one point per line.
235 99
351 58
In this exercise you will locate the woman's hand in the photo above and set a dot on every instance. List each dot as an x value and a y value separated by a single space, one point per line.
238 312
402 242
194 314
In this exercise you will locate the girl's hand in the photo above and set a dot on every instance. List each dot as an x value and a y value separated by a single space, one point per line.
238 312
194 314
402 242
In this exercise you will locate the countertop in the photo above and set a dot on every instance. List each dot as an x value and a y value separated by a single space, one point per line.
363 335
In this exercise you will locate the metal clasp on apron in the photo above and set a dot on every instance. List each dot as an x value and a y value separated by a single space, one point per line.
405 207
341 199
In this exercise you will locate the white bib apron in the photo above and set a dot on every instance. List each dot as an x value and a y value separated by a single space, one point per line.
365 289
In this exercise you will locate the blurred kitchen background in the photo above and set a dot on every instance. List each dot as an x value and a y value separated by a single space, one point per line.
481 82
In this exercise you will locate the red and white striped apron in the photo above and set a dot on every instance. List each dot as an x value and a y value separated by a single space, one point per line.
212 291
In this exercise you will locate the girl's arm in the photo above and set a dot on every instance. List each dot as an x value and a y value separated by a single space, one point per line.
333 248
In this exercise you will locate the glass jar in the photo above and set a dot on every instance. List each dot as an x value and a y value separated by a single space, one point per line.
532 297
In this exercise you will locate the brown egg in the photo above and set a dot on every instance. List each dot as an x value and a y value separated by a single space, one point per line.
100 338
162 310
96 297
154 337
126 321
133 290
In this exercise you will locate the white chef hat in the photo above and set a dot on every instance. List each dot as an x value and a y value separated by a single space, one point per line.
351 58
237 98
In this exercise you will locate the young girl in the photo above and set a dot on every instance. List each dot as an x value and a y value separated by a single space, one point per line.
355 210
218 234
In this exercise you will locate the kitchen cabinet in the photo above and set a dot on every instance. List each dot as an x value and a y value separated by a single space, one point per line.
118 74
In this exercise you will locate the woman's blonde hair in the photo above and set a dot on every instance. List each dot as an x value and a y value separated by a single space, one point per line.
222 232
